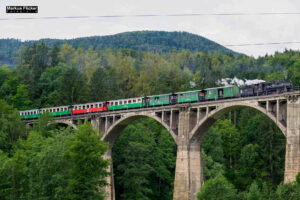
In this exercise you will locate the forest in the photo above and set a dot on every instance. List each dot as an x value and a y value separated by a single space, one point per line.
243 153
152 41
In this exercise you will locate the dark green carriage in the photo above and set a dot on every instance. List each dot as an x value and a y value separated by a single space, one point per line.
222 92
127 106
231 91
159 100
190 96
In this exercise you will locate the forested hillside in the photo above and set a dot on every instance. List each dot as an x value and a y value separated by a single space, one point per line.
151 41
243 153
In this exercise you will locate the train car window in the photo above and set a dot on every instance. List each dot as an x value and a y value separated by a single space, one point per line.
50 110
230 89
125 102
116 103
120 102
129 101
134 101
87 106
209 92
139 100
215 91
83 107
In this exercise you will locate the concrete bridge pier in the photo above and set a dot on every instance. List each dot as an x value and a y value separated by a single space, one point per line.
188 173
292 153
110 188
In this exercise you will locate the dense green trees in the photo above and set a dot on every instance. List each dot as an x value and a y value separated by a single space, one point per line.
50 163
253 161
144 162
217 188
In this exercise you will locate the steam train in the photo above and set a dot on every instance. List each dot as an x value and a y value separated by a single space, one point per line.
218 93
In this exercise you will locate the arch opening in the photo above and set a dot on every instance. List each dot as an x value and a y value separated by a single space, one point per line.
244 144
144 152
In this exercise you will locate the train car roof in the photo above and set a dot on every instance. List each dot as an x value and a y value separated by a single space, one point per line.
28 110
220 87
125 99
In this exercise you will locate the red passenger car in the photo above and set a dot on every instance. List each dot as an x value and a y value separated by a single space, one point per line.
89 108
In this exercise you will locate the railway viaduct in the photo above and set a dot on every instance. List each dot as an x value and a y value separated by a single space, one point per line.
188 123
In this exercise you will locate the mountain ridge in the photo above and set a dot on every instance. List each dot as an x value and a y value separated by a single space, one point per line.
153 41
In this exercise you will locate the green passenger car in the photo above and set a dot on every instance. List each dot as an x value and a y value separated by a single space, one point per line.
60 113
191 96
31 116
126 106
159 100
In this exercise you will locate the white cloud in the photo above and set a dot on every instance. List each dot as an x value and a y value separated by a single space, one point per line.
222 29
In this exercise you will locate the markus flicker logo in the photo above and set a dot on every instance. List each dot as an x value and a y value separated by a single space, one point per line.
21 9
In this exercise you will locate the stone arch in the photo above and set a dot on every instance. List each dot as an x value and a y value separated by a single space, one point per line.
66 123
115 130
203 126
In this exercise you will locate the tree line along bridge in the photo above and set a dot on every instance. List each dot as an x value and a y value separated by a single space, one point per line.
187 124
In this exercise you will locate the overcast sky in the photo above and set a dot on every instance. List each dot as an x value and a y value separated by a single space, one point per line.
225 30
